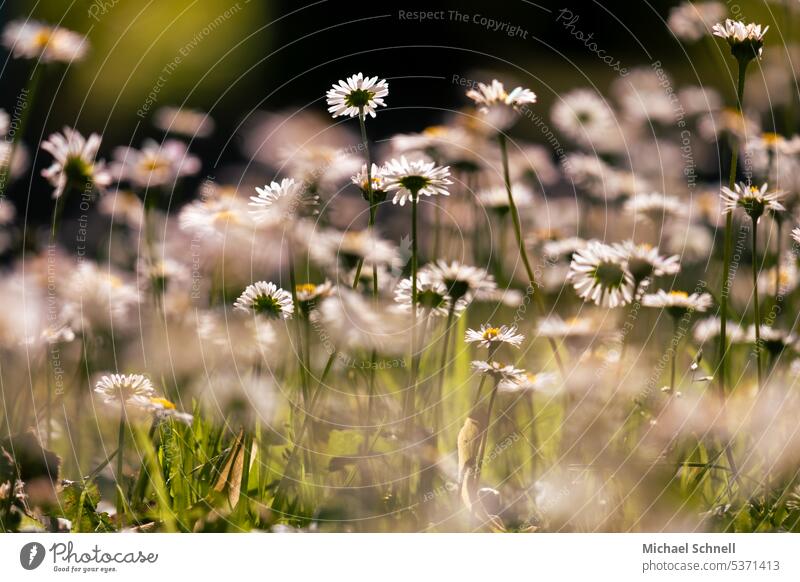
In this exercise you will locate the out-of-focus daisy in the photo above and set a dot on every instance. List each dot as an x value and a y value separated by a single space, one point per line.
488 336
161 408
500 372
644 261
412 179
187 122
768 280
678 303
746 40
30 39
332 247
599 273
496 198
461 281
162 273
74 164
123 207
431 296
755 201
358 95
707 330
655 207
586 119
122 388
282 201
494 94
98 297
155 164
5 122
309 294
642 97
378 182
599 180
543 382
563 248
556 327
267 299
691 21
774 340
796 234
216 217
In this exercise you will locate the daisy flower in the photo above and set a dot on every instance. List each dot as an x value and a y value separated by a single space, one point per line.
644 261
412 179
599 273
266 299
122 388
308 294
155 164
332 247
789 278
496 198
431 295
707 330
774 340
543 382
357 96
161 409
489 335
746 40
490 96
378 182
218 216
655 207
500 372
753 200
796 234
461 281
123 207
30 39
586 119
678 303
555 327
5 122
74 164
281 201
691 21
187 122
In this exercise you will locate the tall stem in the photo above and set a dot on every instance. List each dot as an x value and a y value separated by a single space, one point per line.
372 207
120 457
756 308
673 365
534 286
485 435
728 244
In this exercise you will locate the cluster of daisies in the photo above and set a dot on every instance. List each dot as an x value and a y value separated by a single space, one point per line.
347 255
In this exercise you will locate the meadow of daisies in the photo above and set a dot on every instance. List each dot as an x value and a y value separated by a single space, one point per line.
449 329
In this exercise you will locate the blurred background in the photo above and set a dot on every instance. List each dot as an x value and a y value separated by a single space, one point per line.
236 57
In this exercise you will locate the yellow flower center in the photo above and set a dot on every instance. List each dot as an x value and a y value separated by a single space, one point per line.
224 215
43 37
435 131
306 288
681 294
163 402
491 333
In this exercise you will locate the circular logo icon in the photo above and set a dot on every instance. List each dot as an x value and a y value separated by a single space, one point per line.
31 555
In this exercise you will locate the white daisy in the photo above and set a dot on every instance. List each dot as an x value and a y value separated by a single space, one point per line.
191 123
753 200
655 207
599 273
496 198
691 21
98 297
796 234
310 294
282 201
543 382
5 122
218 217
378 182
774 340
789 278
707 330
431 296
489 96
412 179
555 327
30 39
563 248
155 164
498 371
678 303
644 261
357 96
118 388
266 299
599 180
746 40
461 281
161 409
74 163
585 118
489 335
123 207
332 247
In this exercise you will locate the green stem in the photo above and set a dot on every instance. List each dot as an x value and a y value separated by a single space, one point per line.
485 435
410 396
728 244
30 90
673 365
534 286
756 309
120 458
373 210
